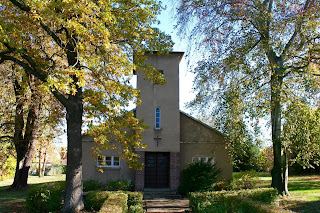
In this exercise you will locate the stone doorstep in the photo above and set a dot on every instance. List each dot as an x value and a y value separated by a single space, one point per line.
172 210
167 205
160 194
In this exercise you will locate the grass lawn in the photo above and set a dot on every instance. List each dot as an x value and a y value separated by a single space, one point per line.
13 201
304 190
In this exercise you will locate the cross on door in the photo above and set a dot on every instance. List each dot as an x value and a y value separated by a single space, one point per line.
157 139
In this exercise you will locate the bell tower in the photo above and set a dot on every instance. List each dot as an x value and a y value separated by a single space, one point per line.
160 111
160 104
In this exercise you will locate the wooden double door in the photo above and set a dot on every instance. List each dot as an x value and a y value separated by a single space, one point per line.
157 167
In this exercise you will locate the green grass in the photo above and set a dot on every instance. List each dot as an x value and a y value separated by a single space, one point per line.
304 193
14 201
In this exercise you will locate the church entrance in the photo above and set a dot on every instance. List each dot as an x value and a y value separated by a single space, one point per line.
157 165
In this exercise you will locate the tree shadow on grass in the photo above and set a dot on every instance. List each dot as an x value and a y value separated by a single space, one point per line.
14 201
294 186
306 206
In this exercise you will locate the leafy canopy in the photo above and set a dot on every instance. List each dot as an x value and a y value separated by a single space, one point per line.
251 49
86 46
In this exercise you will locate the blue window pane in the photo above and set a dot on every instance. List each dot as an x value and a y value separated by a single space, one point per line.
157 118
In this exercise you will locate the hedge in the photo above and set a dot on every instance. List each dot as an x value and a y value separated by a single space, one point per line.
254 200
45 198
134 198
48 198
115 203
95 200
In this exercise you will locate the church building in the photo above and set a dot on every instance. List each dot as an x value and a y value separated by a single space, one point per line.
174 138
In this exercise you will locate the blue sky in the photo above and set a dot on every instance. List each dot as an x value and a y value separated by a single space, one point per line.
167 23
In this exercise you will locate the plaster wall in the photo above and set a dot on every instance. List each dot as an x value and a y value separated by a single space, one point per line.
200 140
166 97
89 167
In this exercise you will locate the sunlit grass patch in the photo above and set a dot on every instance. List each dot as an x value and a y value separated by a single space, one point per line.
304 191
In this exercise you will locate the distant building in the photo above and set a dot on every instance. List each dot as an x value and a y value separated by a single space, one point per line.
173 140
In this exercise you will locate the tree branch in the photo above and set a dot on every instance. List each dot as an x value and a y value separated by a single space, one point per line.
52 34
22 6
26 8
34 71
6 136
296 31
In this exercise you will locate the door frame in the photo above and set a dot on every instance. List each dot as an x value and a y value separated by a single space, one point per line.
167 179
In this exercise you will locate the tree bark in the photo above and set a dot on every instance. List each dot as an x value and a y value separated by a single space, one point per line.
285 172
24 141
74 192
278 180
39 166
73 201
43 169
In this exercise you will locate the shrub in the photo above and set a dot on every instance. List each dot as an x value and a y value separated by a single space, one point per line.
122 185
136 209
244 180
245 205
110 209
92 185
199 200
263 195
198 176
45 198
134 198
254 200
221 185
95 199
116 202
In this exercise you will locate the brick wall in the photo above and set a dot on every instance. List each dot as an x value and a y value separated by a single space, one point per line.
139 174
174 170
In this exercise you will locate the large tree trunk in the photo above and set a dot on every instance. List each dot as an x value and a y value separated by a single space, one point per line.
25 141
73 195
73 201
278 180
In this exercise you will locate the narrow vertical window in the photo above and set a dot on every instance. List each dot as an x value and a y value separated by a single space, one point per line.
157 120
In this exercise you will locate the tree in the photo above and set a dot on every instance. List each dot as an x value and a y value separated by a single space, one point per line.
27 124
301 134
269 49
82 52
265 160
22 108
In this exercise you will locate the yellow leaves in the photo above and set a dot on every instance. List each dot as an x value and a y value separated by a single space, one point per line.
105 35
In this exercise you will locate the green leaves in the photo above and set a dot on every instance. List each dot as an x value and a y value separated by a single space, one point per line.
301 134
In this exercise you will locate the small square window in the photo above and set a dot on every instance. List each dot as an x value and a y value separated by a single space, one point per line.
108 161
200 159
116 161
